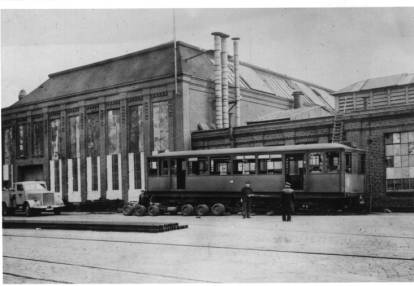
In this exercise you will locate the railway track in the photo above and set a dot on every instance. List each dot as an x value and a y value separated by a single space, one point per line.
35 278
217 247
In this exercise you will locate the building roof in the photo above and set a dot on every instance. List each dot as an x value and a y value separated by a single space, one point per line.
158 62
379 82
295 114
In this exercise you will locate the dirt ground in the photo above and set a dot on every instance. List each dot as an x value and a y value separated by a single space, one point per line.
340 248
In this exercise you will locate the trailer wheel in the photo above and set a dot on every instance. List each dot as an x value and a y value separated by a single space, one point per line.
218 209
128 210
202 210
27 210
140 210
187 210
154 210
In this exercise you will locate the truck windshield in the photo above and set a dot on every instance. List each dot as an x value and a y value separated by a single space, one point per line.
35 186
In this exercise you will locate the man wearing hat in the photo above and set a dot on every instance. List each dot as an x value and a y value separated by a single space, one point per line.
246 194
288 202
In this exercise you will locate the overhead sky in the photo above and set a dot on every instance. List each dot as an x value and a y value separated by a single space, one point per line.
333 47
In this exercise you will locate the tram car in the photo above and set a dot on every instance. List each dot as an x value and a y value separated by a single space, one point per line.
324 176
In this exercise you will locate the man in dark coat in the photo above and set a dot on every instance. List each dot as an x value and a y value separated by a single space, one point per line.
288 202
246 194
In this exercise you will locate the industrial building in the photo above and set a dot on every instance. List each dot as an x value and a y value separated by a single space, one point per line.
86 131
376 115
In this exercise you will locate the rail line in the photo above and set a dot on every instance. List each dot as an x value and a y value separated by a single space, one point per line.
109 269
219 247
36 278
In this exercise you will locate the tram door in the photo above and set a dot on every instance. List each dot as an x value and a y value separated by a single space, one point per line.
294 170
181 173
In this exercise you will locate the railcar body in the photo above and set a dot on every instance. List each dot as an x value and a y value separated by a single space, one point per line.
322 175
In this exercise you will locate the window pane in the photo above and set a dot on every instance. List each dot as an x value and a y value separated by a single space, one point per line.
404 161
315 162
411 160
173 167
396 149
74 134
411 136
54 138
396 138
37 139
404 137
164 167
220 166
92 134
411 149
333 161
389 150
397 161
388 138
160 125
390 173
404 149
153 168
136 134
390 161
348 162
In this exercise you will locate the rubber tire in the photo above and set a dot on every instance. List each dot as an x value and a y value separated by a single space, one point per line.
128 210
187 210
218 209
28 211
202 210
154 210
140 210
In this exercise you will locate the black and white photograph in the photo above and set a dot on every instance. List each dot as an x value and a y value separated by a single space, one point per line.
214 144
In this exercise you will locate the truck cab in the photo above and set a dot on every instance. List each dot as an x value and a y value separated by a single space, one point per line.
32 197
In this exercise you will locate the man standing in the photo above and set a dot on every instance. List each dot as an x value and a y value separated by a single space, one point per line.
246 194
288 202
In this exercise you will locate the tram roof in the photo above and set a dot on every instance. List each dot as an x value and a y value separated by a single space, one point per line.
261 149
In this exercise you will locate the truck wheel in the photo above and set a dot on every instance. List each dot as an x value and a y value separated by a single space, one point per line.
27 210
218 209
154 210
140 210
187 210
202 210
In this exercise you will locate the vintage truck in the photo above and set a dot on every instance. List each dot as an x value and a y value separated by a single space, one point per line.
31 197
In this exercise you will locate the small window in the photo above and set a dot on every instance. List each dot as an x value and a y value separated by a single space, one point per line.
244 165
153 168
19 187
164 167
220 166
270 164
348 163
333 161
361 168
198 166
173 167
315 162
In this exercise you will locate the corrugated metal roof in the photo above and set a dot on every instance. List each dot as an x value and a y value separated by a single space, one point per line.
379 82
296 114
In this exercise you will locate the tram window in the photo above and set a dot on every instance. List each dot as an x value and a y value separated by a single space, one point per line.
361 165
173 167
153 168
333 161
164 167
315 162
244 165
220 166
270 164
198 166
348 162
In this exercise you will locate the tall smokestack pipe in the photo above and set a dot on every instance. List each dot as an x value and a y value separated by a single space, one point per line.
236 78
225 80
217 80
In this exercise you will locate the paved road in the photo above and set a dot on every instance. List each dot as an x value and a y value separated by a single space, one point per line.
348 248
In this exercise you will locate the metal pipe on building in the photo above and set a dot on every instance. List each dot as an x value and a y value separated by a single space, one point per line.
225 80
297 99
236 78
217 80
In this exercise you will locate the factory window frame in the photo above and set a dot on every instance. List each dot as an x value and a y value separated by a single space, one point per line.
399 154
113 132
136 129
54 138
160 125
37 139
92 134
74 136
